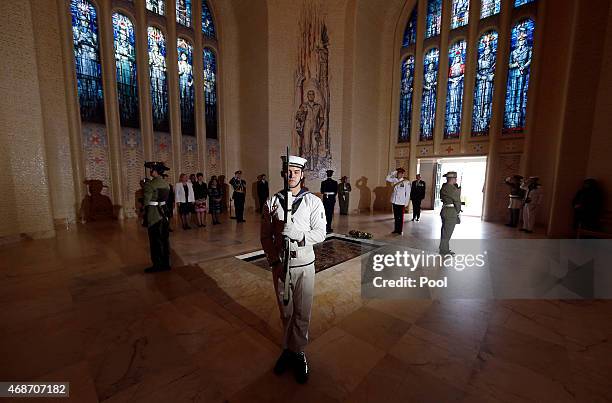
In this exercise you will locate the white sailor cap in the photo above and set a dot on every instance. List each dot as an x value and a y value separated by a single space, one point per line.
295 161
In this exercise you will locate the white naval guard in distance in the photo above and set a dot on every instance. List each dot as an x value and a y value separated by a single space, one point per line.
306 228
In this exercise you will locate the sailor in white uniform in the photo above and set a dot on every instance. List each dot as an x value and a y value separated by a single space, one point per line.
306 228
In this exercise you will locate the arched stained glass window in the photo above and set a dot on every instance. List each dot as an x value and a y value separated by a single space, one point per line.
489 8
210 92
519 66
159 79
208 25
461 11
429 96
186 90
157 6
183 12
410 32
454 94
406 92
518 3
125 63
483 87
87 60
434 18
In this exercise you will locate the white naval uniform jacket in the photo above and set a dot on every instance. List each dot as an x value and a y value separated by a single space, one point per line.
401 191
308 216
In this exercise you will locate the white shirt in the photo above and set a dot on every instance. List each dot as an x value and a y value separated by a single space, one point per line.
309 217
401 189
179 193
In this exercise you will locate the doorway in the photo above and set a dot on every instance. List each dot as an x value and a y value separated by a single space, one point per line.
471 173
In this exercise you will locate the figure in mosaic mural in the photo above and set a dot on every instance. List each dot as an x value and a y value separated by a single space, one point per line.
310 135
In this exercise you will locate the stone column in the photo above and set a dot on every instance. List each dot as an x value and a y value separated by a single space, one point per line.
173 91
144 82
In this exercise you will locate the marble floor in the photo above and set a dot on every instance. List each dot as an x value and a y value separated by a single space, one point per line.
78 308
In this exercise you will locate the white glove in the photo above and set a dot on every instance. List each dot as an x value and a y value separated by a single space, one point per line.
293 233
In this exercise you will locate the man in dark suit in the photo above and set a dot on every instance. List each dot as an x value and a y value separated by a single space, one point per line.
263 190
329 190
417 195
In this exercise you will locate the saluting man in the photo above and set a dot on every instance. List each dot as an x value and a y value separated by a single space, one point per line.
156 192
329 190
450 194
306 228
399 198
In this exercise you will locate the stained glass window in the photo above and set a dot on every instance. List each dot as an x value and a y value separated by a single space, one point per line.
157 6
489 8
406 92
429 96
125 63
159 79
434 18
186 90
87 60
483 87
519 66
461 11
208 25
518 3
210 92
410 32
454 93
183 12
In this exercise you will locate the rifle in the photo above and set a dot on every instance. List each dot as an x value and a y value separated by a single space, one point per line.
286 240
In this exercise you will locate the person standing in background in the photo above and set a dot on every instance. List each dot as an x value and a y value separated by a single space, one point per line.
200 191
533 199
239 195
263 191
183 192
215 194
399 198
329 190
417 194
344 191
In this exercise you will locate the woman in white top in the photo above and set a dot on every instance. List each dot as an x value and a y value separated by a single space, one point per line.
184 198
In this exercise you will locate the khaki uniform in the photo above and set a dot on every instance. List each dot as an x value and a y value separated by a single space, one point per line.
308 216
156 194
451 206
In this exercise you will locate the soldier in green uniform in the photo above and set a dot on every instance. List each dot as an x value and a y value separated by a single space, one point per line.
156 192
450 194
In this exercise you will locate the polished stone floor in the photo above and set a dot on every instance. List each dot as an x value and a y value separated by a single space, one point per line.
78 308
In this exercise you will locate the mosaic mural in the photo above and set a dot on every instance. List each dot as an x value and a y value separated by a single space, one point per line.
310 134
189 155
162 149
213 158
132 154
95 154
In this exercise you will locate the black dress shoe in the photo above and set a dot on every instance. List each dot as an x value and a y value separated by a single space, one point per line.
301 371
154 269
284 361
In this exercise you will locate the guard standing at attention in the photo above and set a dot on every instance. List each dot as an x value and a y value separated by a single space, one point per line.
329 190
239 195
156 192
305 228
344 192
450 194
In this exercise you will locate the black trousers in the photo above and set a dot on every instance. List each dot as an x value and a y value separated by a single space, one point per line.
416 208
329 203
239 205
398 216
159 243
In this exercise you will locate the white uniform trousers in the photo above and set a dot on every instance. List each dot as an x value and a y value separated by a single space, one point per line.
296 314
